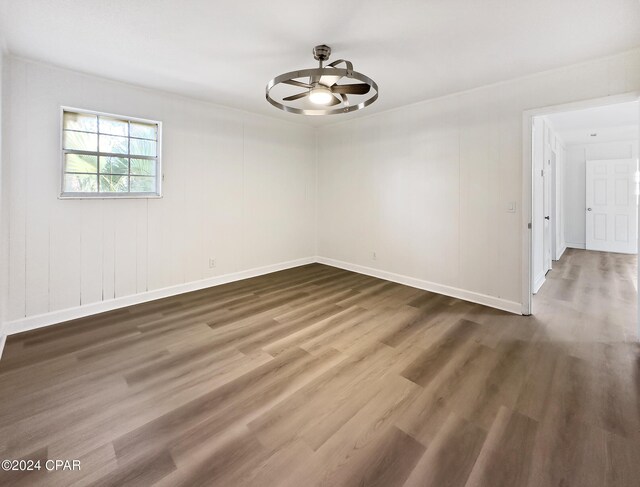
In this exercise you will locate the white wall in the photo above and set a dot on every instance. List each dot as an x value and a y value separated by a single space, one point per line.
4 209
575 182
238 187
426 186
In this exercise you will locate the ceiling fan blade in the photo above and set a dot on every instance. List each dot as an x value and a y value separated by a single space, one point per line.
335 101
329 80
354 89
296 97
293 82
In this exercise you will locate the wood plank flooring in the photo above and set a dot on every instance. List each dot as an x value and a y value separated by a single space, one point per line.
318 376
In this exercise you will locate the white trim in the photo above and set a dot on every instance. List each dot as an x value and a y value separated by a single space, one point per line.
492 301
526 204
562 249
3 340
574 245
54 317
539 281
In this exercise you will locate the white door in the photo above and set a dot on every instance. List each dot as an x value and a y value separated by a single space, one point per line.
547 175
612 207
553 220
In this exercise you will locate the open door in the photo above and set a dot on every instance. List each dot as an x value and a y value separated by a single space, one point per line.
612 205
548 210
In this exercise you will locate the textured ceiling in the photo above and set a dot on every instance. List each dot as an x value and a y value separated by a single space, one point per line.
225 52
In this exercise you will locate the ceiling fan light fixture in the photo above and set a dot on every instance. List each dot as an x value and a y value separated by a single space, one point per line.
322 88
320 95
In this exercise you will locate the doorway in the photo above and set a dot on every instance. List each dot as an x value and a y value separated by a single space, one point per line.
581 186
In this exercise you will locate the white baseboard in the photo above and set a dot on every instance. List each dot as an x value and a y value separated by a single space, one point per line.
46 319
562 250
574 245
538 282
54 317
491 301
3 339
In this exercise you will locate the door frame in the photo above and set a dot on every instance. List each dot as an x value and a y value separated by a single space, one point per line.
548 190
554 204
527 181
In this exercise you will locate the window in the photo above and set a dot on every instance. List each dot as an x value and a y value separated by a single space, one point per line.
109 156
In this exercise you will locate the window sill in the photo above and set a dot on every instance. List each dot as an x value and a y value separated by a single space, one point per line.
104 196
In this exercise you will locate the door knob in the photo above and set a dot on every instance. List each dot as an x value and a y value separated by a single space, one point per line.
546 218
588 209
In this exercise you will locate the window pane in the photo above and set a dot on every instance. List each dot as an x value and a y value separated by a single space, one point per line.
97 152
114 184
143 184
143 167
115 145
80 141
143 147
80 121
113 126
143 130
80 163
80 183
114 165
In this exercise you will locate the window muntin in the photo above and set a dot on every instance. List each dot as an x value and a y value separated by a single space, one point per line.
106 155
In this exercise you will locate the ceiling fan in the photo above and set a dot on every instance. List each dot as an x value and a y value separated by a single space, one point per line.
321 87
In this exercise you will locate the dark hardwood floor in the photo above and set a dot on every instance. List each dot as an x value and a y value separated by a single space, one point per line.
319 376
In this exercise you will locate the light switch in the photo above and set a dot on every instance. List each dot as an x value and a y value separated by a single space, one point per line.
511 207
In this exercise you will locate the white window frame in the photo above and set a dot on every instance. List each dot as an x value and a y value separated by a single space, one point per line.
123 195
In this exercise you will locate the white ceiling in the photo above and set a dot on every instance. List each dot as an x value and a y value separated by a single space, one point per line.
609 123
226 51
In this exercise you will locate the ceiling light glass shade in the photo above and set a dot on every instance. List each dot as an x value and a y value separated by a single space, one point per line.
320 95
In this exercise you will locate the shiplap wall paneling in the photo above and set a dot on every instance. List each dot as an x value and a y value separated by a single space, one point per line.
477 202
91 252
141 245
37 211
124 248
238 188
224 206
15 130
278 191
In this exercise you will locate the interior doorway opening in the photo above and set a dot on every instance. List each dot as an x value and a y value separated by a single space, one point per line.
583 182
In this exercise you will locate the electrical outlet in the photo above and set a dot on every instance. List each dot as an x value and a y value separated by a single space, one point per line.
212 263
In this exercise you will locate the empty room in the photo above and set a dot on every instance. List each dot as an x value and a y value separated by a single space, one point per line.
299 244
